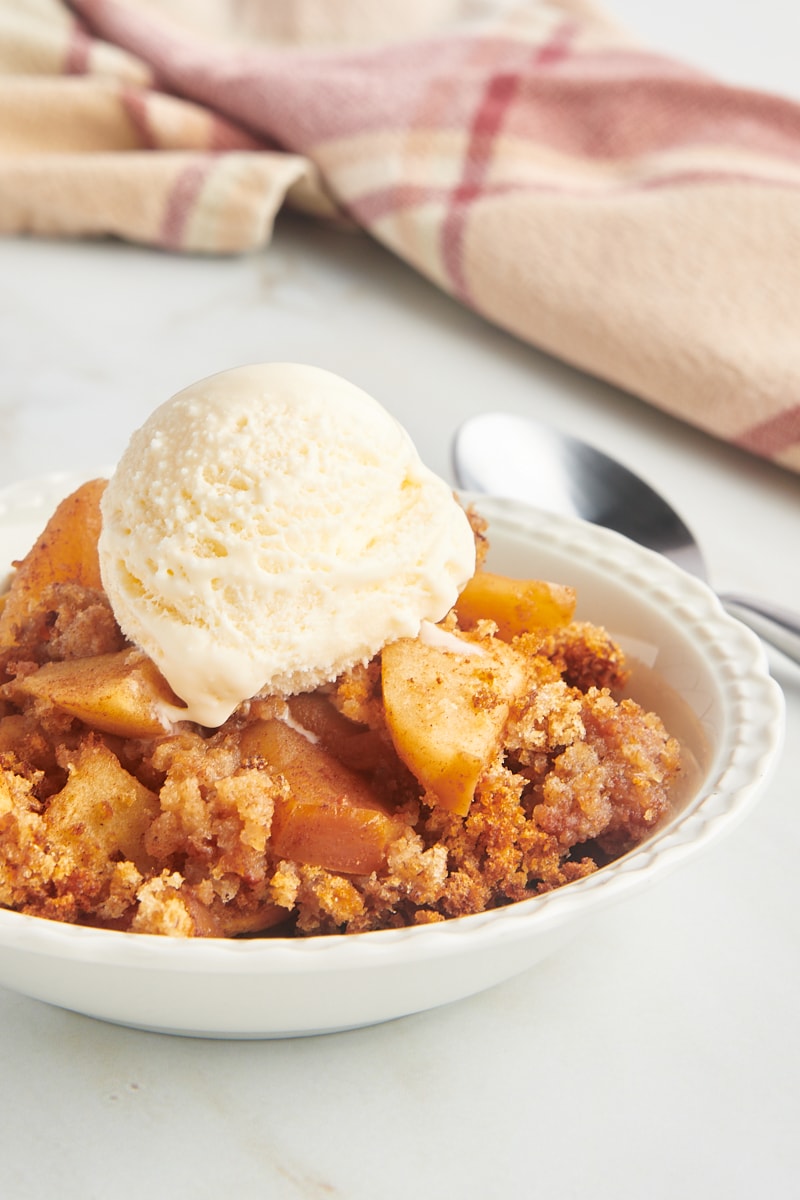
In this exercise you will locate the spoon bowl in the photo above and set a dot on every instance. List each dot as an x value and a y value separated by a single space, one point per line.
525 459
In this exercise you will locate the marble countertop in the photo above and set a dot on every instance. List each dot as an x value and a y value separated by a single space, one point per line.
659 1056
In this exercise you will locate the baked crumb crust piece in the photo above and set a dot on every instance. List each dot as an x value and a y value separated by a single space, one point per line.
182 833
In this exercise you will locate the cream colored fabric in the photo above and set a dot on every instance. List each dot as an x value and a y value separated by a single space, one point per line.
615 208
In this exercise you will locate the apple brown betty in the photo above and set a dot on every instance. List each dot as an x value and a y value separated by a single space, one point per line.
484 762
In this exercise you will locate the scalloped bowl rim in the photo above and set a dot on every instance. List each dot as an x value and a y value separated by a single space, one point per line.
749 742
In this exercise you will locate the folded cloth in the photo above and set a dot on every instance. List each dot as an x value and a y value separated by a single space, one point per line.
623 212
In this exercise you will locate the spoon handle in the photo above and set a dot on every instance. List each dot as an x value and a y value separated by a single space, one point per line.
774 624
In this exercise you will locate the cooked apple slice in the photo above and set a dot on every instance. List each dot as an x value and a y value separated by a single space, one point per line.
332 818
66 552
355 745
102 811
515 605
122 693
446 709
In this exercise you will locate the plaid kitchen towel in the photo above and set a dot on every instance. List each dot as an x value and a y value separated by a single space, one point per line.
621 211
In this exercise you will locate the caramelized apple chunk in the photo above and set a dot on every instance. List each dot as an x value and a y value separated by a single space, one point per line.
121 693
332 817
446 708
102 811
357 746
66 552
515 605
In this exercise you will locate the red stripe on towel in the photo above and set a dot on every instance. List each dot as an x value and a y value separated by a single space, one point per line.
79 47
181 200
498 98
773 435
134 101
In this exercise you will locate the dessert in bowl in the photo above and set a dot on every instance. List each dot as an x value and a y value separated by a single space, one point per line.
345 952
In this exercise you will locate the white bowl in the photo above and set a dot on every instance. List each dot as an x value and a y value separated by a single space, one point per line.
704 672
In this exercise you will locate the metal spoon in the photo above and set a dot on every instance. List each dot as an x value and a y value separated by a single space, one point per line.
525 459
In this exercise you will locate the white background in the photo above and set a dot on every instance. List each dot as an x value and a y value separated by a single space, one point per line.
658 1057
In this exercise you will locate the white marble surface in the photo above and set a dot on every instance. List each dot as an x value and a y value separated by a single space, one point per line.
660 1056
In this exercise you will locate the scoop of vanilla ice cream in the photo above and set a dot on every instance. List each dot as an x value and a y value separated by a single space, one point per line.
268 528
